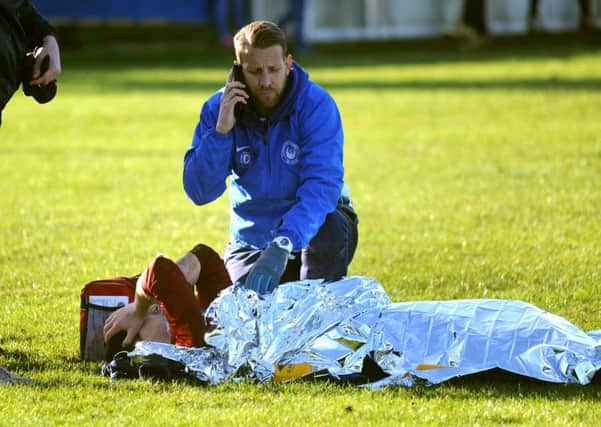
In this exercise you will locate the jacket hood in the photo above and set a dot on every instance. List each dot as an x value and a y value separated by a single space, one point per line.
296 82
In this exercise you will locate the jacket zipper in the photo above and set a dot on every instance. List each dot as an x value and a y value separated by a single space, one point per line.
266 144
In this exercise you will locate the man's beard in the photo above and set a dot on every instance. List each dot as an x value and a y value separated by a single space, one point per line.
266 100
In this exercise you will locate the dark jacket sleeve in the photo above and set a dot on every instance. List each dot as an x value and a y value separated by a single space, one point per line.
34 24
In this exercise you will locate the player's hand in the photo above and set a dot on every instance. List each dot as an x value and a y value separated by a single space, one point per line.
233 93
124 319
265 275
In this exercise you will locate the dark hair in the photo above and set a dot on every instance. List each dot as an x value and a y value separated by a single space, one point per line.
259 34
114 346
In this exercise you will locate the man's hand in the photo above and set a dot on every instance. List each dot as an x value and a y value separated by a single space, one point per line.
125 319
232 94
265 275
49 48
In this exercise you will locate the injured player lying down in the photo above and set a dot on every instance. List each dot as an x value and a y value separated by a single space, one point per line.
165 308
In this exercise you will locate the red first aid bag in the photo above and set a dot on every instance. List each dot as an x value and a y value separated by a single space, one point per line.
99 299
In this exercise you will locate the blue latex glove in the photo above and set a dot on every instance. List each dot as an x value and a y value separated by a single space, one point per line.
265 275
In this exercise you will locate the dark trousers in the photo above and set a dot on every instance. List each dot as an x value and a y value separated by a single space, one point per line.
327 256
474 15
583 4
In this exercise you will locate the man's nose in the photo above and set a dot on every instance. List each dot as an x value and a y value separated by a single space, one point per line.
265 80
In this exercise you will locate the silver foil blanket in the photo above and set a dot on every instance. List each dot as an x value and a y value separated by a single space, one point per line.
314 328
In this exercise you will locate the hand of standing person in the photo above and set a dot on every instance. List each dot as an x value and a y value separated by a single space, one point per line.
49 48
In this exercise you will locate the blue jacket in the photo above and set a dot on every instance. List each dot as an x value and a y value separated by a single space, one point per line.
286 169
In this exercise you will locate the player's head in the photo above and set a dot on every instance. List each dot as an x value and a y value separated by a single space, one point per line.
155 328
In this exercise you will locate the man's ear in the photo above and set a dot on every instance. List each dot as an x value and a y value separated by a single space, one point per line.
289 61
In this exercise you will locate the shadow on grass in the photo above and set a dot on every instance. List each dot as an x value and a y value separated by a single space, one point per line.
495 383
543 84
193 48
24 361
445 50
31 361
183 45
95 153
498 383
27 363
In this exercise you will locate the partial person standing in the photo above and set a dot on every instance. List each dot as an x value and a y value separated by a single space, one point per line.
585 21
473 21
23 30
223 10
295 14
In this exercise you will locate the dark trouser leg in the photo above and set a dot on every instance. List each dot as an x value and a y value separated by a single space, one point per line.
474 16
533 12
585 15
584 8
239 260
327 256
330 252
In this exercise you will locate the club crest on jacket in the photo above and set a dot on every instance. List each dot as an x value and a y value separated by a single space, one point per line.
290 152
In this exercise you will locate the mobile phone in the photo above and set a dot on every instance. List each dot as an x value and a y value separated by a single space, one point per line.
241 109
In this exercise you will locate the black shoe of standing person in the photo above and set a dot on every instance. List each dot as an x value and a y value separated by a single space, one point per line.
41 93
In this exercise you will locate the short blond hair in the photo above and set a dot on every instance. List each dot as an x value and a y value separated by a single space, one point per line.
259 34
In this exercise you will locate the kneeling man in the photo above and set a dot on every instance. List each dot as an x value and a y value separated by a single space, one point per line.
279 136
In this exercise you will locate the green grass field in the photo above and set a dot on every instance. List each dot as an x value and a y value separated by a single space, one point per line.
476 173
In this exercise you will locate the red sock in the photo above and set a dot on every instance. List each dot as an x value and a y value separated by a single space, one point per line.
167 284
213 275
